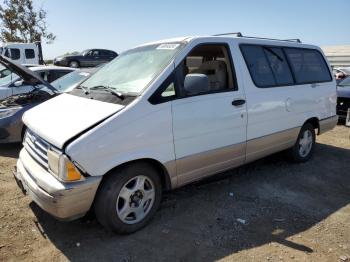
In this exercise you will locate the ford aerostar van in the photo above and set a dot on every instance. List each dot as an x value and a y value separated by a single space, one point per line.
168 113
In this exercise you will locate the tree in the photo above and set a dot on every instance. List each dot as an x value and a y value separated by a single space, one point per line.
20 22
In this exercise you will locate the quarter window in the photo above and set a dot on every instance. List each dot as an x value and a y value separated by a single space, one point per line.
308 65
30 54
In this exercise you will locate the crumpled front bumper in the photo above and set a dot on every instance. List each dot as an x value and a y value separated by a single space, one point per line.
65 201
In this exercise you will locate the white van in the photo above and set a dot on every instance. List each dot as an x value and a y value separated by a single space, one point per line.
22 53
168 113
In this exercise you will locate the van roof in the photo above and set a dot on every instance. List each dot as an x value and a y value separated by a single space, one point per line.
240 39
16 43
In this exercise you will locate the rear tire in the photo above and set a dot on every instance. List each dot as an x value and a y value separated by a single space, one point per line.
128 198
303 148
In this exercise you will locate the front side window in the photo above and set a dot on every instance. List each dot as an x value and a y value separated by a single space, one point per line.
96 53
15 53
7 53
133 70
211 61
29 53
308 65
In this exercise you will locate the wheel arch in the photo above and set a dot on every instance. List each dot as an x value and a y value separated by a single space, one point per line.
315 122
161 169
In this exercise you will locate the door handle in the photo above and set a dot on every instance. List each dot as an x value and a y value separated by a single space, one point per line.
238 102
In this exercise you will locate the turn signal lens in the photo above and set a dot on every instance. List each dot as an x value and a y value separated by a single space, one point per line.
72 174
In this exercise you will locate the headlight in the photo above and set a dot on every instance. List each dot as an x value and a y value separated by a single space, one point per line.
8 112
62 167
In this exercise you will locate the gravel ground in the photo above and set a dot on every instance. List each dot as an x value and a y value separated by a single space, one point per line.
269 210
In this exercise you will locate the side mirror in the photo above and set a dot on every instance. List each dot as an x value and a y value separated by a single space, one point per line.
18 83
196 84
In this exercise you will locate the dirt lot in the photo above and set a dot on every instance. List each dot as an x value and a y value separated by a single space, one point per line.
289 212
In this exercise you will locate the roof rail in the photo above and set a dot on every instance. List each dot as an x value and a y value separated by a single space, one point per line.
293 40
239 34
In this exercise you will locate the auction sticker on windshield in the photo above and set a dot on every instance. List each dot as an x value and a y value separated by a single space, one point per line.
168 46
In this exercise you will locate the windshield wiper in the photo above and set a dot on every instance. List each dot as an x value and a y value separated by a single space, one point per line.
86 92
109 89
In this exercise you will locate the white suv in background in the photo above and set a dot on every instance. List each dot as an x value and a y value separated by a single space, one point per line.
168 113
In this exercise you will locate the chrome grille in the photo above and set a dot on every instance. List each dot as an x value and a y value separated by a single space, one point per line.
37 148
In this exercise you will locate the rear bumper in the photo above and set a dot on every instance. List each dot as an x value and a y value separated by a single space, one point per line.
327 124
65 201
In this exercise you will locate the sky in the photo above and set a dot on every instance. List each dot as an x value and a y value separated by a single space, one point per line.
120 25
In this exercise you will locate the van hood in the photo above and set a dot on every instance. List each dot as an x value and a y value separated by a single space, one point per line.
66 116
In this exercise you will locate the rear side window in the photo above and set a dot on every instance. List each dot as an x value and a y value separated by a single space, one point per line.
15 53
279 66
29 53
308 65
258 66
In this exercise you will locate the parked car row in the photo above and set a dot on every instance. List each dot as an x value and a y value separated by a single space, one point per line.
165 114
27 89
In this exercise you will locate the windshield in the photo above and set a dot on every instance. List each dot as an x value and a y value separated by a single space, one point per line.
8 79
345 82
133 70
70 81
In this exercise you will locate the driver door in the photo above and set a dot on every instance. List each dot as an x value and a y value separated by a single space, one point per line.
209 128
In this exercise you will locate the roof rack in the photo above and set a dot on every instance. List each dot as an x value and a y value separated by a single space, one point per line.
239 34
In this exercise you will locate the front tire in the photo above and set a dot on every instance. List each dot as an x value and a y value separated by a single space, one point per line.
128 198
303 148
74 64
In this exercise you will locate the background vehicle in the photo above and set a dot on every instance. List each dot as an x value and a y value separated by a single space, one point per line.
4 71
343 101
345 70
23 53
68 82
87 58
13 107
13 85
168 113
